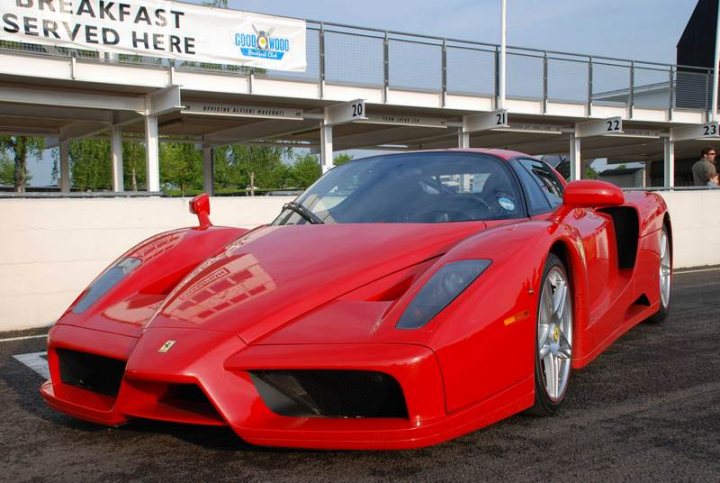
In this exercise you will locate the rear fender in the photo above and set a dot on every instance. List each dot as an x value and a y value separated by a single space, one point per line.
651 208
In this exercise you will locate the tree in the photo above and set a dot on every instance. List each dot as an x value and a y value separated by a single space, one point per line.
590 172
305 171
7 169
134 165
180 167
90 165
237 163
18 148
342 158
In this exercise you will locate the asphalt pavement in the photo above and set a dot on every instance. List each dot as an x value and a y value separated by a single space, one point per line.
648 409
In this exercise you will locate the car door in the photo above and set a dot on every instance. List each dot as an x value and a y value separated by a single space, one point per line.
544 193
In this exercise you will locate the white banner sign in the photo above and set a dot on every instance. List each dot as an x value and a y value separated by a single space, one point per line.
158 28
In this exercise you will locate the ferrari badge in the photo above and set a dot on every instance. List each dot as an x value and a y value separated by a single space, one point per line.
167 346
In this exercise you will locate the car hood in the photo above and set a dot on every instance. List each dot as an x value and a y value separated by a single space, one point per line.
272 275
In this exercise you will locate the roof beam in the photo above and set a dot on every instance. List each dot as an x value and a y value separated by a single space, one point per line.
397 135
73 99
258 130
82 130
54 113
163 101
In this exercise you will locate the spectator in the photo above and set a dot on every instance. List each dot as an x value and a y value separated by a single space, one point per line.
714 181
704 169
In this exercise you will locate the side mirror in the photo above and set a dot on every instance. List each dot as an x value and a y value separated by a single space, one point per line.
589 193
200 206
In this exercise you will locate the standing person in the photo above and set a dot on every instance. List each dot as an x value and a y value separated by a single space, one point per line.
704 169
714 181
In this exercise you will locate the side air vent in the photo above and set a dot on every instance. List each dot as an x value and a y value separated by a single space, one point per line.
91 372
642 300
331 394
627 228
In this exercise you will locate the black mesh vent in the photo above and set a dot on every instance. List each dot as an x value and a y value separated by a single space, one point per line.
334 394
91 372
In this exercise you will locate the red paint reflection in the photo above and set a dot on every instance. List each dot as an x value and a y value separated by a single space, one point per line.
237 280
157 245
136 310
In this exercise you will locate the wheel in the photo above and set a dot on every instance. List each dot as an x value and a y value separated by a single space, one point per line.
553 347
665 277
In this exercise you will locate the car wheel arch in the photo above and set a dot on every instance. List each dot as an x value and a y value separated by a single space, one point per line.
668 224
567 251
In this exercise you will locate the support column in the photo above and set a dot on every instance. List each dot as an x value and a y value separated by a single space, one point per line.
117 159
208 170
65 166
463 139
503 55
647 181
669 163
575 158
326 148
464 143
152 153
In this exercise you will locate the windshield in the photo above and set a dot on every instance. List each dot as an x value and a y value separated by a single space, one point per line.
431 187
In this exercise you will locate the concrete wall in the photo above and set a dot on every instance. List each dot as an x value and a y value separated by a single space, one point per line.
50 249
695 217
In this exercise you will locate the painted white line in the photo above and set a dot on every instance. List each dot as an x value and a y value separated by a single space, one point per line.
36 361
716 269
23 338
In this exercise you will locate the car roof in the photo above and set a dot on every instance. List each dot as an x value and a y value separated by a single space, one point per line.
504 154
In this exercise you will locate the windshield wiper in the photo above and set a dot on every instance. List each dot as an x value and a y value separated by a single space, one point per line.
304 212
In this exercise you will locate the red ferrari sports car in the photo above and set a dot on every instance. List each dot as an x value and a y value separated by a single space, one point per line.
401 301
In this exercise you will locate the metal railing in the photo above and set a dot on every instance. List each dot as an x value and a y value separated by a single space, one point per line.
349 55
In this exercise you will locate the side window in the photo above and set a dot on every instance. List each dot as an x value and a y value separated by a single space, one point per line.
537 202
545 179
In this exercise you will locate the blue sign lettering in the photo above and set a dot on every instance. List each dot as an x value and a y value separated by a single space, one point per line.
261 46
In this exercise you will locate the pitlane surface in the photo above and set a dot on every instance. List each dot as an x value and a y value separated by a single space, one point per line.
648 409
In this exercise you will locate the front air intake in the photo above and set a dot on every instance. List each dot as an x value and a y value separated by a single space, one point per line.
91 372
331 394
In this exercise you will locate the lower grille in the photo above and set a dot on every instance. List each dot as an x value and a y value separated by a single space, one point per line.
185 393
335 394
189 398
91 372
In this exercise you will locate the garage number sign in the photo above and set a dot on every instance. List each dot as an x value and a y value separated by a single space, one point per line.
158 28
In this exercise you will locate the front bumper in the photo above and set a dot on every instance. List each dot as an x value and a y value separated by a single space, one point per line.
219 366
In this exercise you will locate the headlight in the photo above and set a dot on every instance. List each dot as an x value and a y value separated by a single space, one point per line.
105 282
442 288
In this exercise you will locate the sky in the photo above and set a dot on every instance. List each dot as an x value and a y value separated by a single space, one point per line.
641 30
645 30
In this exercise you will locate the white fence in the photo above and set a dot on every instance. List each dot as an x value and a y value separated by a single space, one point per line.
50 249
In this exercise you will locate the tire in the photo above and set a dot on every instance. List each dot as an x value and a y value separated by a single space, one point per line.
553 340
665 277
